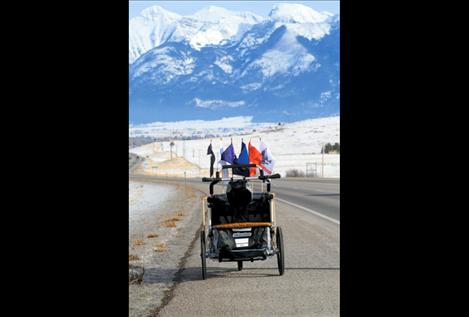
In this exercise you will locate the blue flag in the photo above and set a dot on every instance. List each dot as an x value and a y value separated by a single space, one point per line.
243 159
243 156
228 155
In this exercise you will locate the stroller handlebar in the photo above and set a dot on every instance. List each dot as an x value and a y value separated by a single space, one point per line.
264 178
273 176
219 179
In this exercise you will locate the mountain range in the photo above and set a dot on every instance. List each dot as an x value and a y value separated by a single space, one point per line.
218 63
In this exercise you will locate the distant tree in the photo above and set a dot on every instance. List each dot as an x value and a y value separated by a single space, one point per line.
295 173
329 148
171 149
336 147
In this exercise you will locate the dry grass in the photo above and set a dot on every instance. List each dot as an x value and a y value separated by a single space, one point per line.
133 257
160 247
138 242
170 222
152 235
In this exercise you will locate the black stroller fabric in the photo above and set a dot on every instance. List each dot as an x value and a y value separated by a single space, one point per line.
258 210
238 195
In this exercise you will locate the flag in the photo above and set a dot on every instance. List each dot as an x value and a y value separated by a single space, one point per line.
243 159
255 157
212 158
227 157
268 161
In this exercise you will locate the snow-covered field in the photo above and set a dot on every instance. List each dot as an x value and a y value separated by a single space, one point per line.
293 145
196 128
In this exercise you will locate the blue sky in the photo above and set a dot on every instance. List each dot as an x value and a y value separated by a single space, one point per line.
261 8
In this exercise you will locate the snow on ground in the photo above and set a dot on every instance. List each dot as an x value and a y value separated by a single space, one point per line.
163 220
293 145
146 198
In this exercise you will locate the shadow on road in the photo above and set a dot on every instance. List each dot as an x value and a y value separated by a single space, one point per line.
155 275
299 268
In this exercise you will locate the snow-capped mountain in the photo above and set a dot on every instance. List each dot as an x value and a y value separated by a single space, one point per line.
152 28
209 26
217 63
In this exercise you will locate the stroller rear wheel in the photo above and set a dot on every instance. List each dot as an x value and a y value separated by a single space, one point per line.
280 252
202 254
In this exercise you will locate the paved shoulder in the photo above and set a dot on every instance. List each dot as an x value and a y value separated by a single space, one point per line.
309 287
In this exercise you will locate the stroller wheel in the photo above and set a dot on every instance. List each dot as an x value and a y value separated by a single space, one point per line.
280 252
202 254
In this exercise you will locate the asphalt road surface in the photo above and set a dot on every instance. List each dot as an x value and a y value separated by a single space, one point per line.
321 195
308 212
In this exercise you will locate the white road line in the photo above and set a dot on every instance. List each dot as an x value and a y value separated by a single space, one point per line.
316 190
309 210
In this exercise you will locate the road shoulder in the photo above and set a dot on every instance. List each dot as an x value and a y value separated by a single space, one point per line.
161 247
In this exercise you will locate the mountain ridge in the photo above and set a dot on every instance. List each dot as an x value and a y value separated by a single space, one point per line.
283 68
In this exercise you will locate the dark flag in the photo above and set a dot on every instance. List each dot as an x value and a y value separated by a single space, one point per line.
212 158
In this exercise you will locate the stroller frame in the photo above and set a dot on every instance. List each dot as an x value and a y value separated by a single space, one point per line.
239 230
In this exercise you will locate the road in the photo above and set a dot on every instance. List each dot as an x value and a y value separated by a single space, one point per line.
310 285
318 194
134 160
